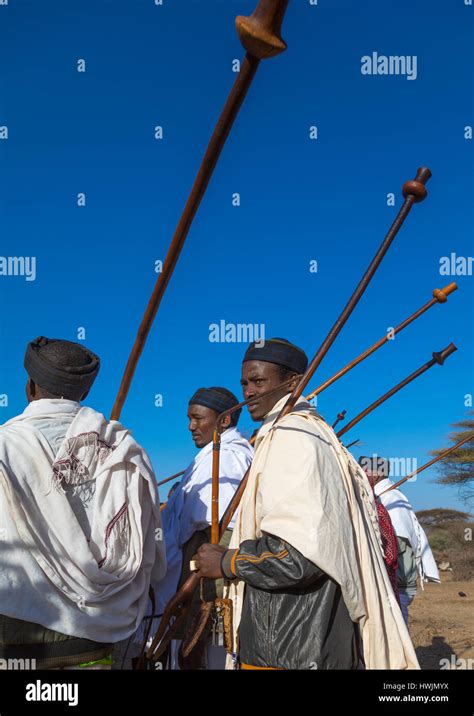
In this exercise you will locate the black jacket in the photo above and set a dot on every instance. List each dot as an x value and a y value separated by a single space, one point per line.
293 614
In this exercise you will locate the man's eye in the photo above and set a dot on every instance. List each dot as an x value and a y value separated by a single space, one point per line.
259 381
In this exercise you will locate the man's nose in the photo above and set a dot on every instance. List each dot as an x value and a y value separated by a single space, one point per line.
191 426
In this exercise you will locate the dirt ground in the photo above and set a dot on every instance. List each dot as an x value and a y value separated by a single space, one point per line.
442 624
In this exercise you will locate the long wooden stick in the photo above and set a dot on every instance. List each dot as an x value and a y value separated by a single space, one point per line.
216 532
216 446
413 191
439 296
172 477
183 597
177 606
352 444
260 35
340 416
438 358
439 457
229 513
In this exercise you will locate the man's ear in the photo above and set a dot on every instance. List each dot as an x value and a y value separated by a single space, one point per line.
294 382
226 421
30 390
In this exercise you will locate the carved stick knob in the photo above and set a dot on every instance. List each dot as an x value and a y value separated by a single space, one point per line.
442 355
441 294
416 188
260 33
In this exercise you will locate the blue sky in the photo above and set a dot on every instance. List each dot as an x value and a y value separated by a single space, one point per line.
301 200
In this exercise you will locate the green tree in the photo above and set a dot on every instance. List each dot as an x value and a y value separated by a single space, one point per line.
457 469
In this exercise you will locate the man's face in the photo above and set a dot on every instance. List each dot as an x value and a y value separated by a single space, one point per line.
371 475
257 378
374 469
202 422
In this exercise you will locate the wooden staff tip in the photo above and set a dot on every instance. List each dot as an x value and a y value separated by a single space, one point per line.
441 294
441 356
260 32
416 188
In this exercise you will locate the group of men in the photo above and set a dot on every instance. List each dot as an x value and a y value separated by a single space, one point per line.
306 566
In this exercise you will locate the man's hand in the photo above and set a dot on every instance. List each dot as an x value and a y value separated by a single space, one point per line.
208 561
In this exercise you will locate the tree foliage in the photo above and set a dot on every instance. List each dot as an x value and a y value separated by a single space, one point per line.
457 469
441 516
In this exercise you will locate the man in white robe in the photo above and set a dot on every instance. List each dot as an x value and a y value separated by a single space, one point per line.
79 517
187 515
415 558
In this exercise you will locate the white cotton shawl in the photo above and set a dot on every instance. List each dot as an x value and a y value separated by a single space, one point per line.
189 507
305 488
51 573
406 524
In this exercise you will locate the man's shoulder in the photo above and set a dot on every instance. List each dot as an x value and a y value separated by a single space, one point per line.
11 422
392 498
303 421
235 442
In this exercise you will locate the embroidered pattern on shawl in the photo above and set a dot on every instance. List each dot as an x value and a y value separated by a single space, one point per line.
70 469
